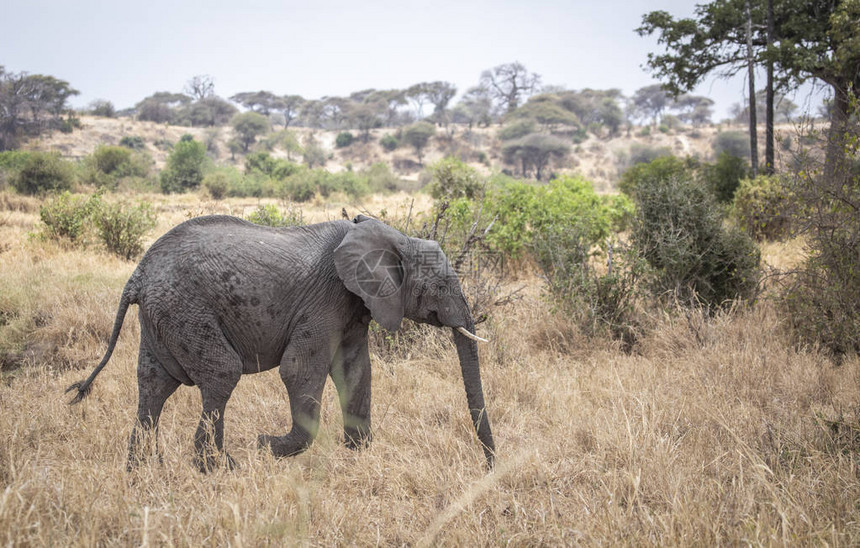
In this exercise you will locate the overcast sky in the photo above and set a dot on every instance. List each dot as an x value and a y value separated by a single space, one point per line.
124 51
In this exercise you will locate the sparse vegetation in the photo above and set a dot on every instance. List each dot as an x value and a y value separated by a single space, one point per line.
271 215
122 227
42 172
647 385
762 207
184 169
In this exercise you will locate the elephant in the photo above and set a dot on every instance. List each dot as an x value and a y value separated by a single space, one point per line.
219 297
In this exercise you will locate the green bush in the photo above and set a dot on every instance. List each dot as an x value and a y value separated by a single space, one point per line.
270 215
352 184
678 230
101 107
734 143
762 208
649 173
566 227
65 216
301 188
112 160
314 155
217 184
601 302
524 211
42 172
643 154
822 300
256 185
580 136
344 139
134 142
724 177
13 160
109 164
454 179
277 168
620 209
10 163
389 142
122 227
184 169
380 178
260 161
517 129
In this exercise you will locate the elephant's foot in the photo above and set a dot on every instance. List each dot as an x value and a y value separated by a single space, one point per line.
358 437
210 461
284 446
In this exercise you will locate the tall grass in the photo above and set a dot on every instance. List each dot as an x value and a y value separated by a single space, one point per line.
715 432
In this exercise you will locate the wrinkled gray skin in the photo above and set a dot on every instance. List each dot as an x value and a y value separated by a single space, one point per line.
220 297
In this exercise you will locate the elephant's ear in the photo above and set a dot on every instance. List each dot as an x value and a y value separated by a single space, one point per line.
370 263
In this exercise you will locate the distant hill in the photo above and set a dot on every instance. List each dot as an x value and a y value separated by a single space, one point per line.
600 160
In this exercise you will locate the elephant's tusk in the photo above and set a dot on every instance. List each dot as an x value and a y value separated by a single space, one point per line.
472 336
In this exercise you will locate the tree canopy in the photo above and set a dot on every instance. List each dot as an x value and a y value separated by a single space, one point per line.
30 104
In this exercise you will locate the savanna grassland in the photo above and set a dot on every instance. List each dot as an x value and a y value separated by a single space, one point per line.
715 430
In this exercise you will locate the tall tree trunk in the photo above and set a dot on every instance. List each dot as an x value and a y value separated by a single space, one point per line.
752 102
836 166
769 157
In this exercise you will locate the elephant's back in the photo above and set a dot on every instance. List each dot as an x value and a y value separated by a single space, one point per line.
206 250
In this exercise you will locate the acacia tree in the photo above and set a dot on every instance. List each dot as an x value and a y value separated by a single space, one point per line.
417 95
30 104
366 116
291 107
418 136
393 99
200 87
440 94
312 113
535 150
263 102
594 107
546 111
693 109
819 39
650 101
510 84
248 126
474 108
335 111
724 35
161 106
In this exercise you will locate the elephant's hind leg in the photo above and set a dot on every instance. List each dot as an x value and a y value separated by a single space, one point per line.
215 367
155 385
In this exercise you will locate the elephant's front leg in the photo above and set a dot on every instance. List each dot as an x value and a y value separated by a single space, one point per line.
351 375
303 370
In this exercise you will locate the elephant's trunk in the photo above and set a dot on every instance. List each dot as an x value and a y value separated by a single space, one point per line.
467 350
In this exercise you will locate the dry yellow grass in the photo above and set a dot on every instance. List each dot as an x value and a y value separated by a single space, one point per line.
716 432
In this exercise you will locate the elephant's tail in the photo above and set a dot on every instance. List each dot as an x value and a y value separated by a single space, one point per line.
129 296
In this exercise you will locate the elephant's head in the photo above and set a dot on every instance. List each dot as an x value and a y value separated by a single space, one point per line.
396 277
